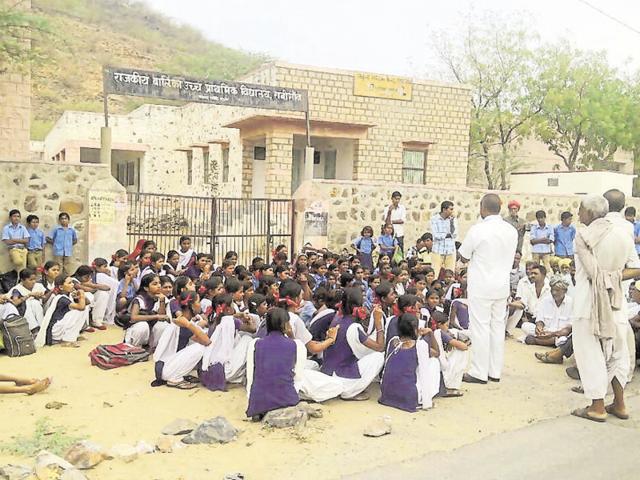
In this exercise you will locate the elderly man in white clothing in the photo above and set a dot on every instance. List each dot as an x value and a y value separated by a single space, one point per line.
616 201
489 247
599 320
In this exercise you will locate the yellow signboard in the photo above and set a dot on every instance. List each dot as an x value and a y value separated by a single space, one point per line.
102 207
382 86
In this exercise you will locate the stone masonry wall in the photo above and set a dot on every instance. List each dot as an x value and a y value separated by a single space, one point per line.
352 205
43 190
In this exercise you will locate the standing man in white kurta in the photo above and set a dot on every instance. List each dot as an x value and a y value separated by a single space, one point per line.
599 328
489 247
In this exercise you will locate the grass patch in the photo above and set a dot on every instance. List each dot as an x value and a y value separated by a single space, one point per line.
45 437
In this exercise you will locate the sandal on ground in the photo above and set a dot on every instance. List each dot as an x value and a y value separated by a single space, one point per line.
452 392
545 358
361 397
183 385
586 414
100 327
89 330
577 389
610 410
191 379
70 344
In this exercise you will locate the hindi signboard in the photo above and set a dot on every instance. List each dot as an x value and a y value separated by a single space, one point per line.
143 83
102 207
382 86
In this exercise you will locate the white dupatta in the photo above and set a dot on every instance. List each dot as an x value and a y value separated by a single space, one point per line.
185 258
221 346
41 338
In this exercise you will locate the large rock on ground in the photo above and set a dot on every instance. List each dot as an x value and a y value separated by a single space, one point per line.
15 472
378 428
85 454
295 416
214 430
126 453
179 426
49 467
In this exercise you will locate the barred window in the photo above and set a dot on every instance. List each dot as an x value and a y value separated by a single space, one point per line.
225 164
189 167
206 167
414 166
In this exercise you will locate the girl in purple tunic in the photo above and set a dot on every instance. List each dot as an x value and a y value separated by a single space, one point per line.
411 379
258 307
355 359
273 365
325 302
386 299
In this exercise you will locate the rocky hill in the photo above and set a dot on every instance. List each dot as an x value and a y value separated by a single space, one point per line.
86 34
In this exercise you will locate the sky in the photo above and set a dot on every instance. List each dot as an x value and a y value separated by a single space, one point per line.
396 37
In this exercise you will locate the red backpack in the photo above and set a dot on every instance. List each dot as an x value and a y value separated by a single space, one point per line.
107 357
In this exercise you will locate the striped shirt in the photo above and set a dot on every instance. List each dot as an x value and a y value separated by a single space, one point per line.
440 228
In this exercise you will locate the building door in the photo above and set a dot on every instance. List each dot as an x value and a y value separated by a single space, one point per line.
258 178
330 164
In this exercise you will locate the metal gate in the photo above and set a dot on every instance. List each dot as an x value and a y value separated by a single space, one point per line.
251 227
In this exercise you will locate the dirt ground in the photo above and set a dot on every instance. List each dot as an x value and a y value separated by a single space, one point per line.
329 448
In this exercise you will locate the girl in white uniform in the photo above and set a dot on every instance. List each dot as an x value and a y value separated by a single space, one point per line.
26 296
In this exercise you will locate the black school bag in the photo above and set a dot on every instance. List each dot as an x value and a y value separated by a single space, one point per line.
17 338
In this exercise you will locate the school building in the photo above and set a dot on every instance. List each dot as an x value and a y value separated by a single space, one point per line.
363 128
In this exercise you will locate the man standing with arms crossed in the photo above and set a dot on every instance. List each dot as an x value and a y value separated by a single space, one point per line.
489 247
396 215
444 228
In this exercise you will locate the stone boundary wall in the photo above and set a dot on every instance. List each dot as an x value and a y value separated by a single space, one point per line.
46 190
352 205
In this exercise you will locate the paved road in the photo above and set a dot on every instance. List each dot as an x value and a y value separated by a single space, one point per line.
565 448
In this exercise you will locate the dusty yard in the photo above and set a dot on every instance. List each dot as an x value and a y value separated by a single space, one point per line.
119 406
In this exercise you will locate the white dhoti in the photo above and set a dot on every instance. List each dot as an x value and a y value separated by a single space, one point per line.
182 362
457 362
513 319
140 334
596 371
235 369
631 346
529 328
486 329
68 328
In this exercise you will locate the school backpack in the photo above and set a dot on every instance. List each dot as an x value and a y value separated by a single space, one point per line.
16 336
8 280
107 357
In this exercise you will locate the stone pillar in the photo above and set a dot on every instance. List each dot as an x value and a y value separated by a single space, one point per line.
105 146
107 219
308 163
247 168
279 162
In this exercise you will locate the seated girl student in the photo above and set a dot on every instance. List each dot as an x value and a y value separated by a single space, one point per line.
354 359
202 269
27 296
400 279
454 356
383 259
386 298
102 309
156 262
406 304
181 346
258 308
148 316
170 268
325 302
409 381
275 365
217 366
233 287
432 305
50 272
370 295
318 272
127 274
459 310
187 255
66 316
144 261
208 291
117 259
96 294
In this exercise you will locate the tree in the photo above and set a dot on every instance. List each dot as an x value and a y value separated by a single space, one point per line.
497 63
586 108
18 27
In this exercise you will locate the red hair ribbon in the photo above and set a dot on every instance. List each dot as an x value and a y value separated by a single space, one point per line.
202 290
396 310
40 269
93 265
137 251
113 257
457 292
208 311
338 306
220 309
276 297
56 290
291 303
186 301
360 313
411 309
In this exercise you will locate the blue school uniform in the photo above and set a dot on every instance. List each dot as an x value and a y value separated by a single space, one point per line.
36 240
63 240
387 244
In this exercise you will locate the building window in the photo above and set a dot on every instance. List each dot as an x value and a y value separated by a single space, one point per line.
259 153
206 166
189 167
225 165
552 182
413 166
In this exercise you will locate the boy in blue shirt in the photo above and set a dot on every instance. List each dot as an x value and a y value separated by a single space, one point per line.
564 234
35 247
63 238
16 237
